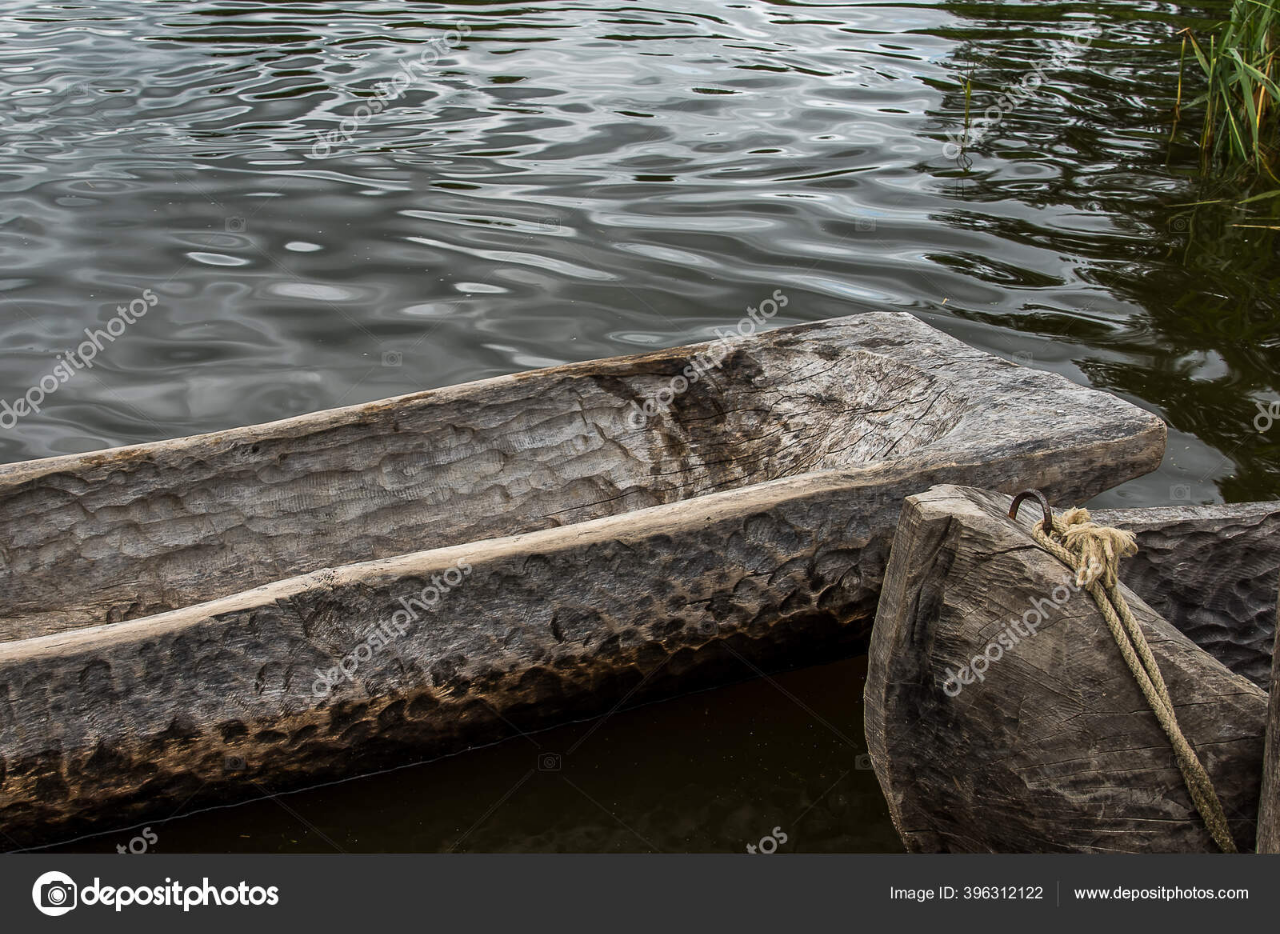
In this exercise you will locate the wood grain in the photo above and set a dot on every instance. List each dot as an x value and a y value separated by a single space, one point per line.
1055 750
131 532
1269 803
158 628
1210 571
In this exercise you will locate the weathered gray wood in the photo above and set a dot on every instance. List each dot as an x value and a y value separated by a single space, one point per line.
108 725
1269 803
1211 571
131 532
1055 748
769 500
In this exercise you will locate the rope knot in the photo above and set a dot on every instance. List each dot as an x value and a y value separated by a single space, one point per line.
1097 548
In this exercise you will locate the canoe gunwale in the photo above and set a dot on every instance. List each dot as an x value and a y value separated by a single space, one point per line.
123 717
142 548
1211 571
1054 749
654 520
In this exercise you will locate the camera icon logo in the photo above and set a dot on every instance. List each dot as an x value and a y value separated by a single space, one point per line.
234 225
863 762
1180 493
54 894
549 762
392 358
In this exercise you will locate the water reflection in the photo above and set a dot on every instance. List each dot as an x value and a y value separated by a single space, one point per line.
1172 300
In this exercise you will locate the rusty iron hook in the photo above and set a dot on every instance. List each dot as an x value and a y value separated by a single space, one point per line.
1044 505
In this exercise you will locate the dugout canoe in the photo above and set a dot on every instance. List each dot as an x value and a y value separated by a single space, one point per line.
177 618
1269 803
1054 748
1211 571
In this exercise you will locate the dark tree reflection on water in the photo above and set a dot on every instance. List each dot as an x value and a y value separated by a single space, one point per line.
1190 318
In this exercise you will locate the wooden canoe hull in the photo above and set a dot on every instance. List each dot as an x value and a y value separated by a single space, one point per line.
133 532
1269 805
105 722
1211 572
1054 748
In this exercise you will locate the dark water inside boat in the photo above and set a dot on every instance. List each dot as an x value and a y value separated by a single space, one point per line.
713 772
564 181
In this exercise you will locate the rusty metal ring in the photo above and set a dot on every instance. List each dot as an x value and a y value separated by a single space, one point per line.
1047 525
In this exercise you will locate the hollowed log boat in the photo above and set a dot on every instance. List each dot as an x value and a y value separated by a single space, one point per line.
1052 747
202 620
1269 805
1211 571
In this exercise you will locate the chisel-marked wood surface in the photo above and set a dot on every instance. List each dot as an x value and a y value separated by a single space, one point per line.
109 725
1048 745
127 533
1269 805
1211 571
588 599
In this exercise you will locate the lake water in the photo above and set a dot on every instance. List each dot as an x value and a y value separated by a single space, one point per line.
557 182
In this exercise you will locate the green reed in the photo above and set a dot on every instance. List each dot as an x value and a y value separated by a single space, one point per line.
1242 98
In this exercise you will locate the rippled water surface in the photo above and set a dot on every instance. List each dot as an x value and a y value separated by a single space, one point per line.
574 180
